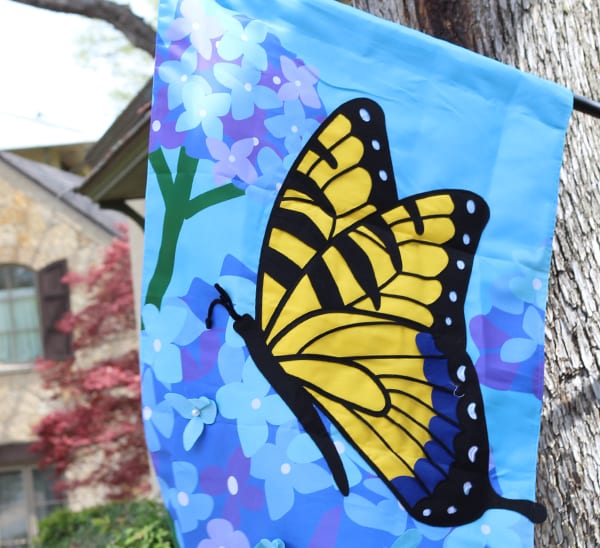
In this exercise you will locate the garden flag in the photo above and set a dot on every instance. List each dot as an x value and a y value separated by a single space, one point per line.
348 236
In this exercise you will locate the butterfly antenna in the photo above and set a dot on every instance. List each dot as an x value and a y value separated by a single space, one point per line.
225 301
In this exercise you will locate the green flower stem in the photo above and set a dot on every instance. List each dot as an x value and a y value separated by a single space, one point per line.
178 208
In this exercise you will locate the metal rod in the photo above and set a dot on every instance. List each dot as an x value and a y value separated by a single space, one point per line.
587 106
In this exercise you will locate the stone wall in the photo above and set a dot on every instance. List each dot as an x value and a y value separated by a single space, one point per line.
36 229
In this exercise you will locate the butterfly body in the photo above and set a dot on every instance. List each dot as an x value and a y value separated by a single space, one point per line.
359 317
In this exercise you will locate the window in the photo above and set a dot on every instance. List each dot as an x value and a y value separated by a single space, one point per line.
26 496
30 305
19 318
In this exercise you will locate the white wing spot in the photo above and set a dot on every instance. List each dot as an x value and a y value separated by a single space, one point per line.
364 114
471 410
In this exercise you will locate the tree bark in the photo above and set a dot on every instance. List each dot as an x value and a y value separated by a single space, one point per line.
120 16
558 41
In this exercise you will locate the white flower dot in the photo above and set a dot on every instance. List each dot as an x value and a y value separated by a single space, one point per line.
232 485
244 37
537 284
231 158
486 529
341 448
184 78
248 86
195 25
255 141
183 498
157 345
196 412
147 413
203 113
255 403
294 129
286 468
156 125
276 80
297 83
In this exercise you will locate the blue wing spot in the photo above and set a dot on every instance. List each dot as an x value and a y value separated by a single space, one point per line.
412 490
428 474
439 455
445 404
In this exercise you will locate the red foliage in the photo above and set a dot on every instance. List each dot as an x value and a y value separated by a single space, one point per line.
99 403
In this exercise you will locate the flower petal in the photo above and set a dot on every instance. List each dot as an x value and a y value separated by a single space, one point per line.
192 431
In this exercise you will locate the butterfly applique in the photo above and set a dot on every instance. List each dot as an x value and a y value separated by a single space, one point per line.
360 316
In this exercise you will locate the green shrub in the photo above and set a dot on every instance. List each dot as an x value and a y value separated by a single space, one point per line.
136 524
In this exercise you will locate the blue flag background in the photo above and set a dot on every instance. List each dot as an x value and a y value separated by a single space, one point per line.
240 86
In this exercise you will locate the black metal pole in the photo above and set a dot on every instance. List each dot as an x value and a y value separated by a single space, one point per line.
587 106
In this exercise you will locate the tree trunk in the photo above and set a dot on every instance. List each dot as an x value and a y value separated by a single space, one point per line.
558 41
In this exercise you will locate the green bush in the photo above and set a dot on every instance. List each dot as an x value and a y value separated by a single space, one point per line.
136 524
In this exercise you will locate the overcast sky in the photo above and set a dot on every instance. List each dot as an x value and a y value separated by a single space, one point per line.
46 96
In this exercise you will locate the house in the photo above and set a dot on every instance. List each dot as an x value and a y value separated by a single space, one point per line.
45 230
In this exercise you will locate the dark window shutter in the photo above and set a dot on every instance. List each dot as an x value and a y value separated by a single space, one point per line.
54 302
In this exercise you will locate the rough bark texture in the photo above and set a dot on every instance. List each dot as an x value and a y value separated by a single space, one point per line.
557 40
120 16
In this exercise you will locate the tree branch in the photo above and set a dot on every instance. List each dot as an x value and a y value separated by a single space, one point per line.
136 30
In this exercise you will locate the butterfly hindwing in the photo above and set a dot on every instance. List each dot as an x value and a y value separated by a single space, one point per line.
360 314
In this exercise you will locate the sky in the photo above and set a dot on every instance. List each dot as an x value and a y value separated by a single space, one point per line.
46 95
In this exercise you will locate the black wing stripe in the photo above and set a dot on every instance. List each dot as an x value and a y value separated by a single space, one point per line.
325 285
359 263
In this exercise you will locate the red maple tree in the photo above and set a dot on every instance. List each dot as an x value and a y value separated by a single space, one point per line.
98 411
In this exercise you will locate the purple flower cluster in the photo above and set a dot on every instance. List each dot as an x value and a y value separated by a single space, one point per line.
512 349
228 92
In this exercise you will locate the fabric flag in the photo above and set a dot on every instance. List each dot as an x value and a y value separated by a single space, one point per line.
349 230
